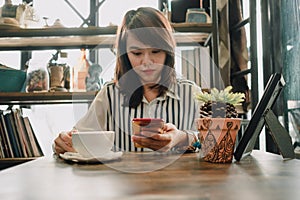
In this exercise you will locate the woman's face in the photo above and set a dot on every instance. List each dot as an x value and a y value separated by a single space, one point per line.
146 61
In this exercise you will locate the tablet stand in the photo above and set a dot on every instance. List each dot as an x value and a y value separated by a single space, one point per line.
280 135
264 116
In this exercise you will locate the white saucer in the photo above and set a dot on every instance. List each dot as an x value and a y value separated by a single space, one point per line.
76 157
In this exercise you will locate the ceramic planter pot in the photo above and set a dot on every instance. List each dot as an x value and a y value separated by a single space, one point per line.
217 137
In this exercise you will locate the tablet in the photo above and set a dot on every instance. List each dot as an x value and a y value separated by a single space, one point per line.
263 115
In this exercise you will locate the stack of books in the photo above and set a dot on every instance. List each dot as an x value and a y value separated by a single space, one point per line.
17 138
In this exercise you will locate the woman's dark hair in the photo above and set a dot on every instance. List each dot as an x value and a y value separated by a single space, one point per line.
150 27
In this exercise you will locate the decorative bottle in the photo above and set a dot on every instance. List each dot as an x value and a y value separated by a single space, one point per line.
80 72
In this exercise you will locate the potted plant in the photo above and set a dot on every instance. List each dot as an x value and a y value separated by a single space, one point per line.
218 124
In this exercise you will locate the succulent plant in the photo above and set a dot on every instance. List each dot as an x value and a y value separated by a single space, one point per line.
220 103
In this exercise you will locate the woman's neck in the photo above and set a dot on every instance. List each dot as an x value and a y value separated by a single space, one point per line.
150 93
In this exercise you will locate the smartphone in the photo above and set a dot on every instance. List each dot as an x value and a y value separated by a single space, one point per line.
137 123
148 122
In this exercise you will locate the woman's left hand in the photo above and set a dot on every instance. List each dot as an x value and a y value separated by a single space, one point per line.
161 139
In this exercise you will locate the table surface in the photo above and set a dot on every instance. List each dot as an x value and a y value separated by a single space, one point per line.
154 176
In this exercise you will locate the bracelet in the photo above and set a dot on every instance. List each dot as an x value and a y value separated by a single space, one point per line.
197 144
191 146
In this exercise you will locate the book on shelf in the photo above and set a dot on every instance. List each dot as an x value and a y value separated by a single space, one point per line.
23 136
2 143
8 153
36 148
17 134
17 138
12 136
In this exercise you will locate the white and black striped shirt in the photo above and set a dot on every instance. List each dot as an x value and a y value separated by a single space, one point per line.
107 112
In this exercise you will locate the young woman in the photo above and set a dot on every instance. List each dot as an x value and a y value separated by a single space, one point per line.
145 86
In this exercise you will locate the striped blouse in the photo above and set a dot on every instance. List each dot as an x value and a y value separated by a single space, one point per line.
106 112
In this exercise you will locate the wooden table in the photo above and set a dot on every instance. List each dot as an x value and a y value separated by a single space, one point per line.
259 176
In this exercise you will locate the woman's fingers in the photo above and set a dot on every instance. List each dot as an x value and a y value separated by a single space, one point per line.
157 138
63 143
61 147
59 150
155 142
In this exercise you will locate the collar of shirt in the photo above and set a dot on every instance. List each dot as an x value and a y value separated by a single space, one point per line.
171 92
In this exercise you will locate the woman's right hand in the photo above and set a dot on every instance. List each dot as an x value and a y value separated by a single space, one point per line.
63 143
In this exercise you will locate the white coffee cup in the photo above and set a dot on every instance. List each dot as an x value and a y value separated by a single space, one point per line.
93 143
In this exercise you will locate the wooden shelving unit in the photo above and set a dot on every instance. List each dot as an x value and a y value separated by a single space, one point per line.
9 162
91 37
13 39
23 98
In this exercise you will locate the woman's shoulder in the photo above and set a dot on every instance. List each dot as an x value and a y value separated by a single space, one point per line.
182 81
185 83
109 84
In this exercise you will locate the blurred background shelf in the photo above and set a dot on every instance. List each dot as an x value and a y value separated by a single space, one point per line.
23 98
9 162
91 37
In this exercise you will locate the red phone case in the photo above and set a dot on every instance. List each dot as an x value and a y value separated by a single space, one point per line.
146 121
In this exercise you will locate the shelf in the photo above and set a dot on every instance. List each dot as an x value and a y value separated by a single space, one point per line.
23 98
10 162
91 37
